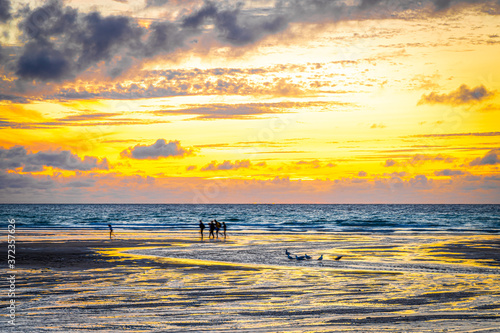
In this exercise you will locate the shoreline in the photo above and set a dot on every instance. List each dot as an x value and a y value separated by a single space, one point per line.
196 230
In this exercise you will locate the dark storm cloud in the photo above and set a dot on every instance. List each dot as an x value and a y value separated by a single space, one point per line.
61 42
13 98
82 183
449 172
5 11
163 38
157 150
17 157
12 158
234 26
441 5
368 3
463 95
66 160
491 158
420 181
239 26
156 3
389 163
12 180
43 62
103 36
198 18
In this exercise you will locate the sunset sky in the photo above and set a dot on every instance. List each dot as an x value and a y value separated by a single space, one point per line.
169 101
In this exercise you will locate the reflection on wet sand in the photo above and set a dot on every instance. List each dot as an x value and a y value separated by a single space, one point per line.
147 282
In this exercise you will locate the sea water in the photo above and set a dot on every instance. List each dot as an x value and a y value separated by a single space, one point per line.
273 217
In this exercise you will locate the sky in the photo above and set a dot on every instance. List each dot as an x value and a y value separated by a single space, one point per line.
287 101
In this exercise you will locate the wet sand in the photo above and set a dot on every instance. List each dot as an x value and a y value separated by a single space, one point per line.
79 281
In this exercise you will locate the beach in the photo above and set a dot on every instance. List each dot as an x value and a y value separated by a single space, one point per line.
143 281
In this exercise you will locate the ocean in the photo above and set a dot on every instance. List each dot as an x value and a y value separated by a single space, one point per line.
355 218
391 268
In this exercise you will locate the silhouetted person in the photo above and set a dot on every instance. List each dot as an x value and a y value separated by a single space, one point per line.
224 228
211 228
110 231
217 228
202 227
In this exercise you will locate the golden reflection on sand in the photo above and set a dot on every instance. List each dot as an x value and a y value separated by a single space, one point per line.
171 281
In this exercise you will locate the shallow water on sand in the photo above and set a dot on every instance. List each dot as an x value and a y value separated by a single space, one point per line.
405 283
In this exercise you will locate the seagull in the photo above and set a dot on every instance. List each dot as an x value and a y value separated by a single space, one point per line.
320 258
287 253
299 258
290 257
307 257
338 258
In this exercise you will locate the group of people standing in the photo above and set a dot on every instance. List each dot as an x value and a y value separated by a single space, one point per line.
214 225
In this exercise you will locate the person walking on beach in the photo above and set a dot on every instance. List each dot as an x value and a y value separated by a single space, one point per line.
217 228
211 228
224 228
202 227
110 231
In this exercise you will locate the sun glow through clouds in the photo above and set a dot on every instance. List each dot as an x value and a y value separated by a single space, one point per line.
324 102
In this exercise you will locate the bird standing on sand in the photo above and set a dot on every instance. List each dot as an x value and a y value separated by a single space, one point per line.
320 258
300 258
307 257
287 253
290 257
338 258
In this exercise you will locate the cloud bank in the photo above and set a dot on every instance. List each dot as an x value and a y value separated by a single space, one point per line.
5 11
61 42
17 157
463 95
227 165
390 162
491 158
449 172
159 149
